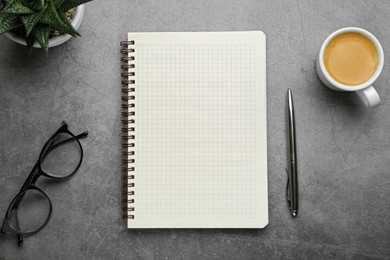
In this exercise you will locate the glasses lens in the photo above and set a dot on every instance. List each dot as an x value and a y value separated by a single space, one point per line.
31 210
62 157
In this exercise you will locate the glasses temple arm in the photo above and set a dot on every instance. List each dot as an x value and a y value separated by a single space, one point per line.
80 136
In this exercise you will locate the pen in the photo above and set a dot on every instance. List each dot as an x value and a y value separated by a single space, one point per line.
292 171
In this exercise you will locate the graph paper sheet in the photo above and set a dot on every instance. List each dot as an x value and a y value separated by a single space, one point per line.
200 145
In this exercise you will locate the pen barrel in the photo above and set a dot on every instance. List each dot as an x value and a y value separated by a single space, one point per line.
294 185
293 165
291 136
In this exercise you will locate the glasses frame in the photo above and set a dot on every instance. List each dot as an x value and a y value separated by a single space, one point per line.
34 175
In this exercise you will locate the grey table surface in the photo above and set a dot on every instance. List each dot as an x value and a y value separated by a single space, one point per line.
344 148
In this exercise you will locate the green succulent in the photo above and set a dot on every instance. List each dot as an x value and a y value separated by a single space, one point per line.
34 19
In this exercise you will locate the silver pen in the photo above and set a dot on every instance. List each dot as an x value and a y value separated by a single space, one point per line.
292 171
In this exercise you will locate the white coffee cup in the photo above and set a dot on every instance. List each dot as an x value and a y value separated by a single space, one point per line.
365 91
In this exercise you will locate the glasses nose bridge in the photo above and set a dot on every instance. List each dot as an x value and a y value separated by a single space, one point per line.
36 177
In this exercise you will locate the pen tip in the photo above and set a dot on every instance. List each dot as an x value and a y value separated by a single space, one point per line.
294 214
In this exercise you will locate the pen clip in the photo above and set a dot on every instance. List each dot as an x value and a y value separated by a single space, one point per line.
288 192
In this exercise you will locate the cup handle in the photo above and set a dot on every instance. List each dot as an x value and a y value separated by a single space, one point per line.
369 96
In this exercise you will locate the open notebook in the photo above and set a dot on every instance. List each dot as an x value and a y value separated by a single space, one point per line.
195 130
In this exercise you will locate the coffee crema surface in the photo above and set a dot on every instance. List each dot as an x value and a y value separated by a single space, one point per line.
351 59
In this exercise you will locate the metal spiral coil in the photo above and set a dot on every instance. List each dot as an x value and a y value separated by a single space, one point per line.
128 128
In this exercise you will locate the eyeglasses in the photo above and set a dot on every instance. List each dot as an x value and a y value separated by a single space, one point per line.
60 158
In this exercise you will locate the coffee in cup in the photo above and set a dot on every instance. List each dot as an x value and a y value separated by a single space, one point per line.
351 59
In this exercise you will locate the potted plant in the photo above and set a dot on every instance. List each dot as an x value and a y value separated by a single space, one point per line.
41 23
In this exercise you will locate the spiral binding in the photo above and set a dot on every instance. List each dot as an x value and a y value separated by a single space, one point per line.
128 129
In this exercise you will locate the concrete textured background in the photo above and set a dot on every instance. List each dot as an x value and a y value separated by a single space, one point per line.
343 147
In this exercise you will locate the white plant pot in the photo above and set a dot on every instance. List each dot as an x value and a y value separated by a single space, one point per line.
55 41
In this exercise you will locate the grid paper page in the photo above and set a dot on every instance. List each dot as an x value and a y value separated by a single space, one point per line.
196 134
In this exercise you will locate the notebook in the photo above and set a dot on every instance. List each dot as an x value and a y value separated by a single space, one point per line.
194 124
